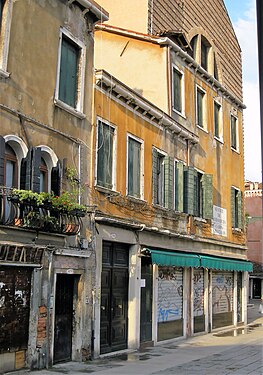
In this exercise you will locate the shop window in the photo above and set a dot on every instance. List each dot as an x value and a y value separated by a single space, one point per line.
178 90
105 155
134 168
237 208
70 80
162 172
200 108
233 130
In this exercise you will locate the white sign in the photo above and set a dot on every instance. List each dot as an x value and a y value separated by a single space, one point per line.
143 283
219 221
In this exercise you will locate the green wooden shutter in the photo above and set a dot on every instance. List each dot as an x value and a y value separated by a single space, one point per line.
189 190
240 217
168 182
179 186
68 72
233 206
207 186
56 174
154 176
35 164
2 160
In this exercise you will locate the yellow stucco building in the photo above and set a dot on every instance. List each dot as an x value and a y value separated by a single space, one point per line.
168 173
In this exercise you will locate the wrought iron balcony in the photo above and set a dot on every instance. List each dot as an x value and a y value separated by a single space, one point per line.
40 215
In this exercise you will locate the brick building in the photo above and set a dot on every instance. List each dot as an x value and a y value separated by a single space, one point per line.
253 209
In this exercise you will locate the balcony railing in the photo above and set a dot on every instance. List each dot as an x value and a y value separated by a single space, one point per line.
44 216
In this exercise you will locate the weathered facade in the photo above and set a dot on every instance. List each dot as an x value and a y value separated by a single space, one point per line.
46 261
168 174
253 209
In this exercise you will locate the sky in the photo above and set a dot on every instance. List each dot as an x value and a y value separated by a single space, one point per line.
243 16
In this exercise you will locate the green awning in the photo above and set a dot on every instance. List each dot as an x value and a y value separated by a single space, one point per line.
225 264
166 258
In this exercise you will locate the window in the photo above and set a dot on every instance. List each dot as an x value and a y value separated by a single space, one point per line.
105 155
217 121
233 129
163 179
43 176
178 90
237 208
70 80
200 107
11 167
5 22
134 168
198 193
204 53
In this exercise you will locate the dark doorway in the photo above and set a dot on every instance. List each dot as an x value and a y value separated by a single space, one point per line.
63 317
257 288
114 297
146 300
239 297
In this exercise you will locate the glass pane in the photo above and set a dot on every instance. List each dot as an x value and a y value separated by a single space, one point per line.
177 90
134 161
233 132
216 119
105 155
200 96
10 173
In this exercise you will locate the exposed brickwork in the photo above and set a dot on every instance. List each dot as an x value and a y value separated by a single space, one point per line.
42 326
213 18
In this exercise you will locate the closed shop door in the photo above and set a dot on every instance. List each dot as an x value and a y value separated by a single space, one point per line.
146 300
222 298
114 297
170 302
198 290
15 287
63 317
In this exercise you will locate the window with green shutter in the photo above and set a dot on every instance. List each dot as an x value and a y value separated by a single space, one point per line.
134 168
105 155
233 125
168 182
68 76
189 190
237 208
177 90
207 196
179 186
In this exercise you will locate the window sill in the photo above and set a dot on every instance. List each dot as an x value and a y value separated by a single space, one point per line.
136 200
219 140
181 114
236 230
105 190
201 128
199 220
69 109
4 73
235 150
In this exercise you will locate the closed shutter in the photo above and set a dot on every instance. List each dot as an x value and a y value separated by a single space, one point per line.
240 217
198 292
222 292
207 186
68 72
2 160
35 160
168 182
179 186
154 176
233 206
56 179
189 190
25 173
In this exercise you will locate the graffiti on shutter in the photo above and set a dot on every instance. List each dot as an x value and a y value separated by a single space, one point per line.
222 292
198 292
170 294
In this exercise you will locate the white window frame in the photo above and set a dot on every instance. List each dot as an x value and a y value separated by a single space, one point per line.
180 71
237 135
204 108
141 141
78 110
5 27
220 121
163 154
114 154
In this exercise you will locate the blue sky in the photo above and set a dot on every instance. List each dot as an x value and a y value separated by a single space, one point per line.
243 16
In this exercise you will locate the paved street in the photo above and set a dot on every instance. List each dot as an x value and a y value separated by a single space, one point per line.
235 352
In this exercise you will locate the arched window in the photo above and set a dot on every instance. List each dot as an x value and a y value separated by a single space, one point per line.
43 176
10 168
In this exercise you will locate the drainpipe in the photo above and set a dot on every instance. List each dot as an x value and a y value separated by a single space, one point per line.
169 79
79 173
